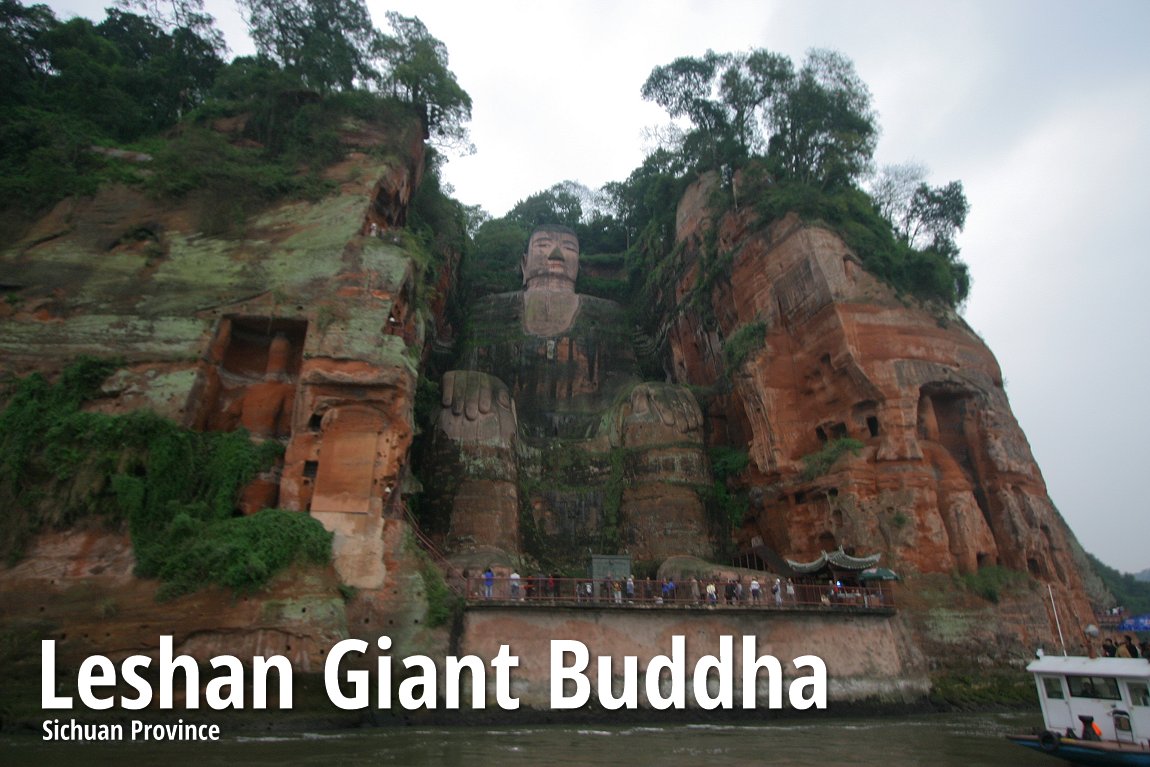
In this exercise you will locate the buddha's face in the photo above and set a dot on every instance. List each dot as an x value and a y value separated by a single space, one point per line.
551 261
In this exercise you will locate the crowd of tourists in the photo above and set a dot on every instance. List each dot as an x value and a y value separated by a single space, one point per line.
736 591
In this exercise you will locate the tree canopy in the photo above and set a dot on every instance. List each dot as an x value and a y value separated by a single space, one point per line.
816 125
416 71
68 85
795 140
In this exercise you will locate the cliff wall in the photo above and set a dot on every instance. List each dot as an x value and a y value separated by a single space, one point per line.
306 328
944 480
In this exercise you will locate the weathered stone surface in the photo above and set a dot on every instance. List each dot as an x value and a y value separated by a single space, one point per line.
305 331
548 411
945 480
78 588
301 329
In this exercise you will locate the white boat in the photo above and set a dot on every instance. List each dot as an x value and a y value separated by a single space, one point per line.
1096 711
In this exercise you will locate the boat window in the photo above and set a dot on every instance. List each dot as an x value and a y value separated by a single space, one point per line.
1101 687
1139 693
1053 687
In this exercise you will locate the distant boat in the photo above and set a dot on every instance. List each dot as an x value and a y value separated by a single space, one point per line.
1096 710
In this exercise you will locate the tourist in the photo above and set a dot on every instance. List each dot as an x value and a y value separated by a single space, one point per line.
514 581
756 591
790 592
1128 649
777 590
488 583
630 589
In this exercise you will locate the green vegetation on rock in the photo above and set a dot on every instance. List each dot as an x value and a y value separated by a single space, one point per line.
817 464
175 489
235 135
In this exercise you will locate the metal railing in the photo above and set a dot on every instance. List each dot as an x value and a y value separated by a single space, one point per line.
541 591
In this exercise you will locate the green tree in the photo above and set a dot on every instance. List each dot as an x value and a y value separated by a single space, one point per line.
561 204
689 88
186 15
416 72
328 44
492 263
24 56
824 129
167 73
936 215
816 125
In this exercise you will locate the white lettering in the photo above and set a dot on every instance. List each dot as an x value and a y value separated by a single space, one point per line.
452 681
168 666
424 680
630 695
723 668
751 667
96 671
503 663
357 678
140 684
817 681
261 666
233 680
678 677
383 664
48 698
560 674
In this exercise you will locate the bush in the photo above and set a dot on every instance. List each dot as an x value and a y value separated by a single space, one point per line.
818 464
991 582
851 213
747 339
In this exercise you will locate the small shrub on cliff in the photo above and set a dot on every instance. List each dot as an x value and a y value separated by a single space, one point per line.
992 582
747 339
242 553
818 464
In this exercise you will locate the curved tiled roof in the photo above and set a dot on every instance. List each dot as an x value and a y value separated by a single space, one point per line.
838 558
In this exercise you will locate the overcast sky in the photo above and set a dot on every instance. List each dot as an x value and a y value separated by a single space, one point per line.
1041 109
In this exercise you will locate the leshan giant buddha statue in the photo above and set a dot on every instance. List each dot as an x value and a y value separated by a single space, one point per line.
548 417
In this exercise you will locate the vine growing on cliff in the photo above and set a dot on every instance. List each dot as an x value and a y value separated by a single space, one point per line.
174 489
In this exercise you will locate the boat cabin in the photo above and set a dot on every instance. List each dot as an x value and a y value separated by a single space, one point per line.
1112 693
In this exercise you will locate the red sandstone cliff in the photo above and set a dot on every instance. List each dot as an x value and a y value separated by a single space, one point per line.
945 480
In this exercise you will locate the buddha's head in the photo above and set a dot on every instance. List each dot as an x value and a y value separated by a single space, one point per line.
552 259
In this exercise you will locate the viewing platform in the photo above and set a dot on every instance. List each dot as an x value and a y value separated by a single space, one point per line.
649 594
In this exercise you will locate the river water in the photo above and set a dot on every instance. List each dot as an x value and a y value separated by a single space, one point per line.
942 740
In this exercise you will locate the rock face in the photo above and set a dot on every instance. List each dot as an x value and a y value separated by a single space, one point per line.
944 479
302 329
306 330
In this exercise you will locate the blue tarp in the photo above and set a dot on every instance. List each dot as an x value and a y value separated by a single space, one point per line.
1135 623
